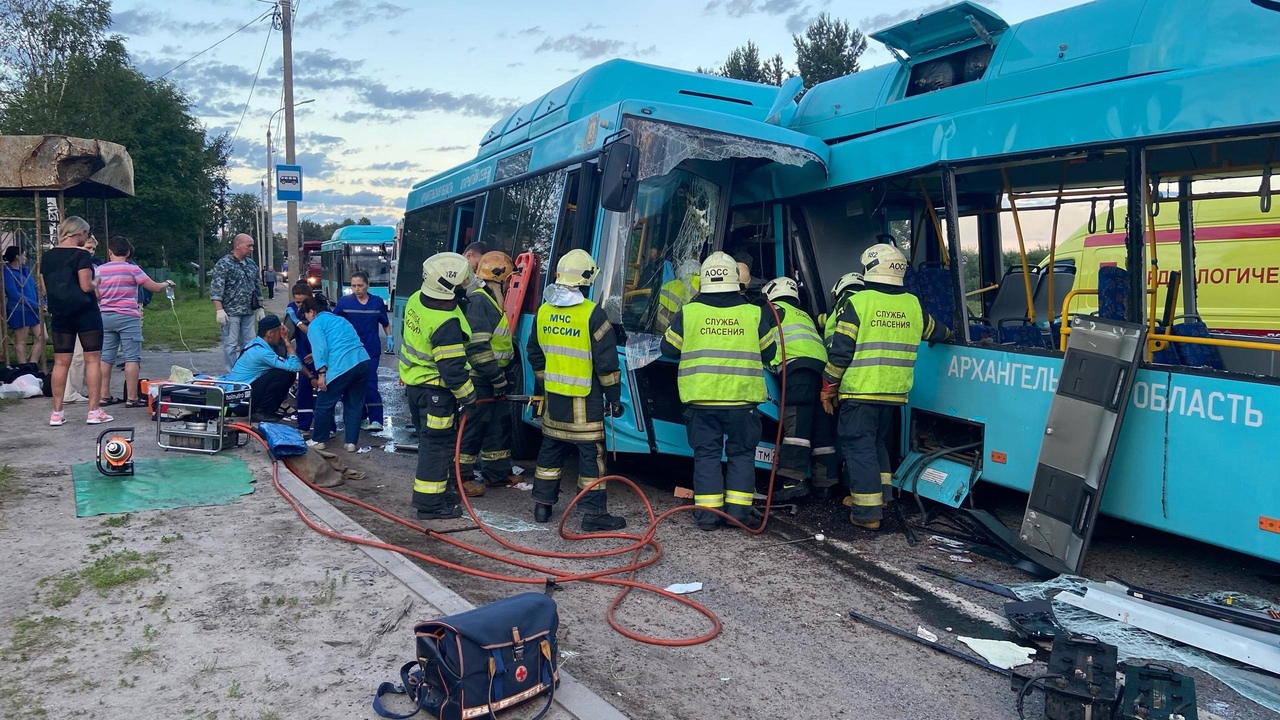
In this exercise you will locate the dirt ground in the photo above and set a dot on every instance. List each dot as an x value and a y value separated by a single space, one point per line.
251 615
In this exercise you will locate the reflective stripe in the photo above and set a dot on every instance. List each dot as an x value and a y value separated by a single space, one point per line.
733 497
874 499
670 297
567 352
714 370
769 338
502 331
801 329
847 328
886 478
604 329
585 481
483 357
466 389
480 337
567 380
541 473
721 355
714 501
466 459
798 442
448 352
825 450
583 426
886 345
430 487
436 422
834 371
611 379
883 361
504 355
672 337
409 354
491 455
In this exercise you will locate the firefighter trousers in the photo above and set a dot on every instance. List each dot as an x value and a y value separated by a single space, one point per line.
434 412
546 478
864 437
798 424
735 432
486 439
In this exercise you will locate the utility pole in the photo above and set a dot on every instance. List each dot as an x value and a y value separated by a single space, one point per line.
271 230
200 272
286 31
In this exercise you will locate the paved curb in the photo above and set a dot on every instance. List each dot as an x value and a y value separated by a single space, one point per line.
574 697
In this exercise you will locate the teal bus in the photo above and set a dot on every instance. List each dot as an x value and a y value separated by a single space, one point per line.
354 248
984 138
535 189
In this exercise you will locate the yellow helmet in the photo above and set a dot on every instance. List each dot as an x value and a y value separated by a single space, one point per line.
719 274
783 288
495 266
885 264
443 273
847 281
576 269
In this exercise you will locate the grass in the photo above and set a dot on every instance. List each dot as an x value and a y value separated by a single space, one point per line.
35 635
62 589
192 319
117 521
119 568
9 402
8 481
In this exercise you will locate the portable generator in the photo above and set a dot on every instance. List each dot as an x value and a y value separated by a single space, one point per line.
115 452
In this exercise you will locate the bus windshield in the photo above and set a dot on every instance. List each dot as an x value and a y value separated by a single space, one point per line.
376 264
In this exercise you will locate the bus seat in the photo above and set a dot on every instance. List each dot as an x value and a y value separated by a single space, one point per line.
1196 355
1113 282
1064 277
980 330
1021 334
1010 302
934 282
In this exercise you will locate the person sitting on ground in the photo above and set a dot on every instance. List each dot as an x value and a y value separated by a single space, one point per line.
267 373
118 283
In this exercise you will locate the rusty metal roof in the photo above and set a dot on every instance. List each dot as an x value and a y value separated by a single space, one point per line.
76 166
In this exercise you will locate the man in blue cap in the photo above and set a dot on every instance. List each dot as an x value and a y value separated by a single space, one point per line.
269 374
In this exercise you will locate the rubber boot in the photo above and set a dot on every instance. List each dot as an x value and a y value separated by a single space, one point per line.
869 525
749 516
790 489
473 488
443 511
545 494
541 512
595 513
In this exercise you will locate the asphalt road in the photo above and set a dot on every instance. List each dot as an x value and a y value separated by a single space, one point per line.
787 647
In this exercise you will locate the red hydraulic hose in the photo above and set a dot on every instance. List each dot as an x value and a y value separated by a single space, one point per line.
637 546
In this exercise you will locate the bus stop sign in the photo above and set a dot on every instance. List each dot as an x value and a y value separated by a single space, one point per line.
289 183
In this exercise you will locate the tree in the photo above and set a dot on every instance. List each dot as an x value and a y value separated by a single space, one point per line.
774 71
364 221
243 211
61 74
743 63
828 49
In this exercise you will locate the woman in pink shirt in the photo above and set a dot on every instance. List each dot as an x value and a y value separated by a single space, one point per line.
118 283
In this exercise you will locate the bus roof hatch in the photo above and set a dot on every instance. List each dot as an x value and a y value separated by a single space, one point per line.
951 25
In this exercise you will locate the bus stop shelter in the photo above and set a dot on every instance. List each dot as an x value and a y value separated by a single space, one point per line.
57 167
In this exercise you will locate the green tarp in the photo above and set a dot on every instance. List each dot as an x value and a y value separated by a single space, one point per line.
164 483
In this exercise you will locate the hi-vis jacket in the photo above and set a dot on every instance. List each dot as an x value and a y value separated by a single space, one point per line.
723 343
874 344
433 347
489 348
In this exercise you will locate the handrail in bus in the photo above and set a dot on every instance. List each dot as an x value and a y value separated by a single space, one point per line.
1157 341
980 291
937 224
1022 246
1053 235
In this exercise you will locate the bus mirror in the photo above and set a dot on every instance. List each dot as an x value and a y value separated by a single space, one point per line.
620 167
346 251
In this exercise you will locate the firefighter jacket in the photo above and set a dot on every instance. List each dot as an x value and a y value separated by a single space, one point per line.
723 343
874 344
489 347
671 298
432 349
574 356
802 343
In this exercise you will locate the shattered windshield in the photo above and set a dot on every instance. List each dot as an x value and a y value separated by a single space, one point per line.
664 146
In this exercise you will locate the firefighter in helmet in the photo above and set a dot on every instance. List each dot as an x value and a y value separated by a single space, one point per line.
490 353
805 358
826 467
676 293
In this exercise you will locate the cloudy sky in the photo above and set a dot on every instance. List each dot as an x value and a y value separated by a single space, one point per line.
404 89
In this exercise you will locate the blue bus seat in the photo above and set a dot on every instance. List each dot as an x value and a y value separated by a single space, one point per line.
1021 335
980 330
936 296
1196 355
1168 355
911 281
1113 283
1010 302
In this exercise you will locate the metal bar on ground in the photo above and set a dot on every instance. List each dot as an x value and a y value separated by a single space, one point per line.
928 643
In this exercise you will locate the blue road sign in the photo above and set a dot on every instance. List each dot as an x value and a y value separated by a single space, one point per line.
289 183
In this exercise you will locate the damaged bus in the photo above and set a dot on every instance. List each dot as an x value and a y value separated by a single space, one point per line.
1121 115
536 190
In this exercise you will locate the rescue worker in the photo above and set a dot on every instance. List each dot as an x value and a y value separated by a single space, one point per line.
433 367
489 353
805 356
826 467
574 356
676 293
869 373
723 343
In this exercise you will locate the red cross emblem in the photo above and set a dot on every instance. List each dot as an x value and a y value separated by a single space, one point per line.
521 673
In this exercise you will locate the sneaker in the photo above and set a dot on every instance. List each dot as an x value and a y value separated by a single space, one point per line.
349 447
372 426
57 417
97 417
314 445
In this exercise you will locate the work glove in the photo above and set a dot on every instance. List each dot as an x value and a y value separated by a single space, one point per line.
222 317
260 314
468 404
830 397
501 387
391 345
612 409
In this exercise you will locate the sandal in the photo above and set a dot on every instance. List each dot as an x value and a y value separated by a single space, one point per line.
135 403
104 402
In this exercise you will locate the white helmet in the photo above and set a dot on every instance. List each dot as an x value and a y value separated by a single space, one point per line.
885 264
443 273
847 281
783 288
719 274
576 269
687 269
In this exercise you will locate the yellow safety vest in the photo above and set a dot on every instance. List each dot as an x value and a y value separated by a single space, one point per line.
720 355
564 334
889 331
800 334
829 327
418 357
504 350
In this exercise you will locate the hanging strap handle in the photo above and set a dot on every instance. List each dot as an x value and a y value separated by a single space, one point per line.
409 686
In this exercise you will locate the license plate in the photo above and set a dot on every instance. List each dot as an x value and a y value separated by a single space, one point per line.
764 454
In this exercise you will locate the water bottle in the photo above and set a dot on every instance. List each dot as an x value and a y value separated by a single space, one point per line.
168 292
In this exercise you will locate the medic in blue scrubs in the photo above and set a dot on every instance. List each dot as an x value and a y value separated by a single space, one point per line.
367 313
297 328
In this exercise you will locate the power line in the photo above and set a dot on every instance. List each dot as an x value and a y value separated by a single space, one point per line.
256 73
193 57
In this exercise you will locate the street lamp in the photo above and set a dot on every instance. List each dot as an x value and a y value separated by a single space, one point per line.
271 234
